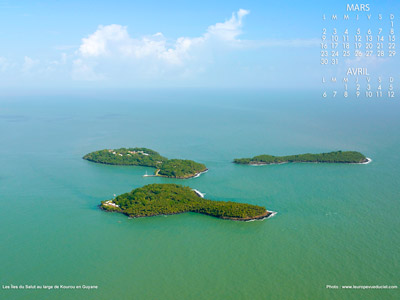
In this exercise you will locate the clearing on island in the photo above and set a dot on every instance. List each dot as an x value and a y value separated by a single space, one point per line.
170 168
167 199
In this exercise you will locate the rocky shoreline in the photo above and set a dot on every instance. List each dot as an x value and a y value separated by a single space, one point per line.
110 206
186 177
367 160
264 216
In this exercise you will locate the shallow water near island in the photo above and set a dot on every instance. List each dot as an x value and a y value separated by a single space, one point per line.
336 224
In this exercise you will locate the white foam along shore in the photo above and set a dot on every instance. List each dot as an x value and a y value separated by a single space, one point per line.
367 162
198 193
281 163
158 170
198 174
270 215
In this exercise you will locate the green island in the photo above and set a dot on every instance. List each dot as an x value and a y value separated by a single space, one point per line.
171 168
330 157
168 199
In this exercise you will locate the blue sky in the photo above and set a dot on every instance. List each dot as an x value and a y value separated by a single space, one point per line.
163 43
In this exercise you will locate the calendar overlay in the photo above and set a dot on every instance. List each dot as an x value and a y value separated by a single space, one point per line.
358 53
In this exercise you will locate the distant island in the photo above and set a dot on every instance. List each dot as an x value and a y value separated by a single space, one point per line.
171 168
349 157
169 199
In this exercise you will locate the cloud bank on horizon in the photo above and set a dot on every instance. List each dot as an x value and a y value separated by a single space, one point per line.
112 47
115 40
111 54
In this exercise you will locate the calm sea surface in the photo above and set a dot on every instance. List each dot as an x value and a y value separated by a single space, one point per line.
336 224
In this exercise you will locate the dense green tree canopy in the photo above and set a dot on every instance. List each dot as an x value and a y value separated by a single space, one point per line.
172 168
179 168
331 157
127 157
164 199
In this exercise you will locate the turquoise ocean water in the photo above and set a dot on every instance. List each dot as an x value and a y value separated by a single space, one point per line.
336 224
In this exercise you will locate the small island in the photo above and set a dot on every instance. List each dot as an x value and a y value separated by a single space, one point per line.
346 157
170 168
169 199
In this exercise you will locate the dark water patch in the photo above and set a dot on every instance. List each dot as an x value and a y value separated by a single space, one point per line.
14 118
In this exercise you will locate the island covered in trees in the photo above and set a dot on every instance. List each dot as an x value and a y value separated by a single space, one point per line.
330 157
168 199
171 168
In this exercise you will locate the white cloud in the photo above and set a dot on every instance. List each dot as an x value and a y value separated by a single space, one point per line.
4 64
84 71
62 61
114 41
230 29
104 40
111 53
155 55
57 65
29 64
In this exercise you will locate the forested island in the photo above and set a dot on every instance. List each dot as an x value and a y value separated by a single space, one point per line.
171 168
330 157
168 199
